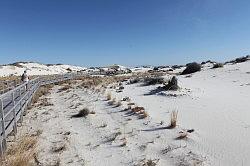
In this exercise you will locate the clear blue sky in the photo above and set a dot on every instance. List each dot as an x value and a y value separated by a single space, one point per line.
128 32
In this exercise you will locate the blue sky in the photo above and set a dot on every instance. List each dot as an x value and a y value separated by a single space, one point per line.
128 32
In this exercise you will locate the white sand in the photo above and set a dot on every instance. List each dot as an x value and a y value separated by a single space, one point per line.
37 69
217 107
213 102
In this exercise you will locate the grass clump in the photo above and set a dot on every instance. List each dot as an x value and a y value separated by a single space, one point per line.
143 115
138 110
112 102
21 153
173 119
153 81
64 88
109 97
43 90
118 104
172 84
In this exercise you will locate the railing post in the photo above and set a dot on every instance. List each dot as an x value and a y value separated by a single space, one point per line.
20 92
21 111
14 115
3 138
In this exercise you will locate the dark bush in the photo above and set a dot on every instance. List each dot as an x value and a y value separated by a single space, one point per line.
156 68
242 59
172 84
153 81
218 65
82 113
134 81
176 66
191 68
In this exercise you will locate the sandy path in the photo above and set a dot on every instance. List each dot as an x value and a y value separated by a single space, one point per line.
88 141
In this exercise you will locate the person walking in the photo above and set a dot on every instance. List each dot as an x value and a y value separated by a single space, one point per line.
25 78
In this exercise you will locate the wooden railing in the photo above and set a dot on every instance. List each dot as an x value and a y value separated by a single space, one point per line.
5 86
14 103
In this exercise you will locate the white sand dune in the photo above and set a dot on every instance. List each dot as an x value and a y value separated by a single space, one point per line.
217 107
213 102
37 69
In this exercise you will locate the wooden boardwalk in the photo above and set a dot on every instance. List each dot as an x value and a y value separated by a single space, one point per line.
14 103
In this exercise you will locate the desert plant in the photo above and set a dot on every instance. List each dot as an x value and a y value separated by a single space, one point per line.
134 80
64 88
118 104
146 162
144 115
126 99
218 65
173 119
58 147
82 113
44 102
109 97
172 84
43 90
112 102
191 68
153 81
138 109
124 143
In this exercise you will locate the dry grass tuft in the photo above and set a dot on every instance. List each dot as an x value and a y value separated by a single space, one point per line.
130 104
44 90
124 143
173 119
64 88
112 102
138 109
144 115
109 97
118 104
59 148
146 162
92 112
44 103
21 153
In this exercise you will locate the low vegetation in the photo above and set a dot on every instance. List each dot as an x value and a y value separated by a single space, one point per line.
82 113
173 119
240 60
172 84
64 88
218 65
43 90
109 97
112 102
153 81
191 68
21 153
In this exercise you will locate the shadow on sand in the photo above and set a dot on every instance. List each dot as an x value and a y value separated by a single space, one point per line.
159 128
154 91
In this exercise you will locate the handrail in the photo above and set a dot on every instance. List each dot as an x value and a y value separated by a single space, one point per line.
18 87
